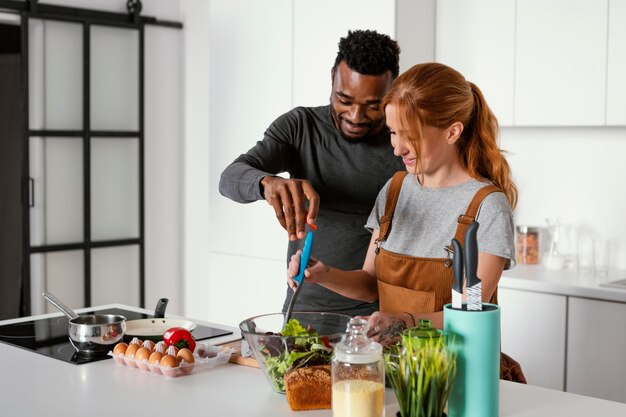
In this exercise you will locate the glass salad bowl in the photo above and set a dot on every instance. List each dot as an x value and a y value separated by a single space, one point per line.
308 339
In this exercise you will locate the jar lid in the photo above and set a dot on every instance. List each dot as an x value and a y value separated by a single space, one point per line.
356 347
528 229
424 331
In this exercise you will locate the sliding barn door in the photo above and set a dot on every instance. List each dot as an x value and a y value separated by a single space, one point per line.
84 223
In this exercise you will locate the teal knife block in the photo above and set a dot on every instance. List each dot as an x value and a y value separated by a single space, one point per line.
475 337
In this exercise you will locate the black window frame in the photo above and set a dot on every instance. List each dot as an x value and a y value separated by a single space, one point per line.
30 9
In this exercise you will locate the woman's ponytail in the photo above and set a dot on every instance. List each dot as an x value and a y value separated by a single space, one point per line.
480 151
437 95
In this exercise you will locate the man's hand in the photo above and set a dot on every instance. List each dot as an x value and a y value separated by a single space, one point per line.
287 197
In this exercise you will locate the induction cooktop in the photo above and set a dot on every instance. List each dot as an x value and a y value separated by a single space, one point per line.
49 336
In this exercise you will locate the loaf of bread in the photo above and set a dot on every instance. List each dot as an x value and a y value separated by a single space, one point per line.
309 388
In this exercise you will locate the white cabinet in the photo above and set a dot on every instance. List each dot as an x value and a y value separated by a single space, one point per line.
596 357
415 31
481 47
533 333
251 71
560 62
616 61
540 63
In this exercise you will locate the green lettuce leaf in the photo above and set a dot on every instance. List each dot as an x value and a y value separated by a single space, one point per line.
294 328
306 346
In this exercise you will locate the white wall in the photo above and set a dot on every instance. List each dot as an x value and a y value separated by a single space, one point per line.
195 15
164 147
577 174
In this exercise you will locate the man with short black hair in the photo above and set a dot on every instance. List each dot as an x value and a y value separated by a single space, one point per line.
338 157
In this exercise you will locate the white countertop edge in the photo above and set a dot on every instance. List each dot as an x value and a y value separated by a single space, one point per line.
563 282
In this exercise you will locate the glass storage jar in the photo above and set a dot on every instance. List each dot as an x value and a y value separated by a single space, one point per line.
424 332
528 245
358 374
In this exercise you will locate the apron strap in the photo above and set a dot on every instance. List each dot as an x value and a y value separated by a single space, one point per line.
464 219
390 205
472 210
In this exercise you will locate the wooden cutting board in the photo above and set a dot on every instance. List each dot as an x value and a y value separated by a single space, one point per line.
236 357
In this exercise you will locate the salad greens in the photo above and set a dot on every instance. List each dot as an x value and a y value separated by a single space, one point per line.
297 348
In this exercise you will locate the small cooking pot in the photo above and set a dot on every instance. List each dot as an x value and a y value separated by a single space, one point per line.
154 328
91 333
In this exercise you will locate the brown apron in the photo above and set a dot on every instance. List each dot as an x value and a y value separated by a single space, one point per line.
415 284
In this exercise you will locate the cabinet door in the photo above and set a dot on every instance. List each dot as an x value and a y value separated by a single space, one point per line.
481 47
560 62
596 343
241 44
533 333
616 71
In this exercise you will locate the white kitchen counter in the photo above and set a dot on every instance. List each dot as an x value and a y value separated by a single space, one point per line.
563 282
581 326
36 385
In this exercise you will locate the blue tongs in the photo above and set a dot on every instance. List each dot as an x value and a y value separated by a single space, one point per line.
304 262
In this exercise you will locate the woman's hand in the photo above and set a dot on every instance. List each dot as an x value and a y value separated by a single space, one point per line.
315 268
385 328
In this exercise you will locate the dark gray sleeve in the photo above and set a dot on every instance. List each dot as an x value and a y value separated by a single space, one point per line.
240 181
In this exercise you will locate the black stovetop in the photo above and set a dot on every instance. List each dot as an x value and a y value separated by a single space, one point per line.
50 336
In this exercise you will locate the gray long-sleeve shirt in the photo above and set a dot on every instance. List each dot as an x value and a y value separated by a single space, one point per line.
346 174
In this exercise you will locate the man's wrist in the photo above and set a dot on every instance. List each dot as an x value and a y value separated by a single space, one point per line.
262 183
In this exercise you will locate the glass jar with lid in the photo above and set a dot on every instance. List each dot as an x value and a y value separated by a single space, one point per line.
424 332
358 374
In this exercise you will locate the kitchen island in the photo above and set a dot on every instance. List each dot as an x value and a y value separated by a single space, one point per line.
36 385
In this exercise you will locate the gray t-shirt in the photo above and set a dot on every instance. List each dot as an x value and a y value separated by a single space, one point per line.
425 220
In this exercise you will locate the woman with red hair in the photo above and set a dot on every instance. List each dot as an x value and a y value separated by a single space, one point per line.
447 137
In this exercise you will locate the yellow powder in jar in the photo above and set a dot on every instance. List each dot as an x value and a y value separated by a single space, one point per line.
358 398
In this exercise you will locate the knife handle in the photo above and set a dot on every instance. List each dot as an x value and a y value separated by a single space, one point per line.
457 266
304 257
471 254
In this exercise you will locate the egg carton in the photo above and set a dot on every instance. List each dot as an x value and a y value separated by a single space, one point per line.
206 356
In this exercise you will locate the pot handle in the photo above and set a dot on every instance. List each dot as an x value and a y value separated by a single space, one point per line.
71 314
159 311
